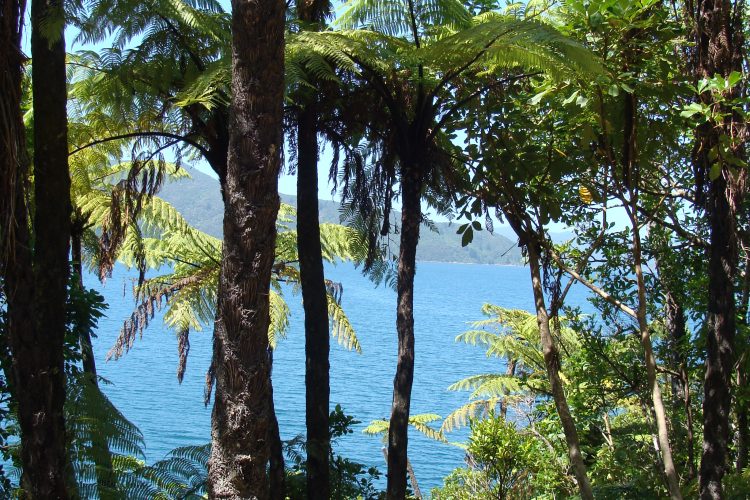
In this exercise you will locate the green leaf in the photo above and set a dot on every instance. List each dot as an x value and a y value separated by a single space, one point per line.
691 109
715 171
572 97
467 237
734 78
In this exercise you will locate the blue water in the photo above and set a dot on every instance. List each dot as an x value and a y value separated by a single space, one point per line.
447 297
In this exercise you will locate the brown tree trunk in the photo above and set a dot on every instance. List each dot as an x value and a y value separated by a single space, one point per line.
37 282
315 303
15 251
509 371
743 426
411 218
552 362
719 50
719 345
242 413
276 472
673 481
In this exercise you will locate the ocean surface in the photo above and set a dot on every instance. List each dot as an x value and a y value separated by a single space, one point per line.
447 298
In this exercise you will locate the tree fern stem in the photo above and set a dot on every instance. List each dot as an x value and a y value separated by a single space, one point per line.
315 303
242 414
402 383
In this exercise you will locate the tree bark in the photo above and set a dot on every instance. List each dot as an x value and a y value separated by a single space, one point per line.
242 413
673 481
552 362
719 44
510 371
76 253
276 472
315 303
411 218
37 281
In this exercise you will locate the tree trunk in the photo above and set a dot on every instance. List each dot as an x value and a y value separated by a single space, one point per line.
719 50
411 218
552 362
277 475
76 253
720 343
673 481
15 250
510 371
743 423
743 426
242 414
315 303
37 283
677 333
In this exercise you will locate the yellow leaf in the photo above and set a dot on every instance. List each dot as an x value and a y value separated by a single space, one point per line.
586 195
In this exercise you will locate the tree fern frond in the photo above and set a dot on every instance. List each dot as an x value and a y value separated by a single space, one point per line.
341 328
461 416
279 311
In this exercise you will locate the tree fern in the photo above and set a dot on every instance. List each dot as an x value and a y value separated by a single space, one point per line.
104 446
512 335
188 292
419 422
181 475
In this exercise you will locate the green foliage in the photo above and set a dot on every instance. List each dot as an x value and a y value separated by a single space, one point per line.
512 335
419 422
182 475
504 462
188 291
349 479
104 445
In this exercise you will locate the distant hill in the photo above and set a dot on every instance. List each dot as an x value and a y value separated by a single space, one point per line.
199 201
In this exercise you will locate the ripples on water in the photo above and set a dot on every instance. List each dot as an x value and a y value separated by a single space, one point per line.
447 297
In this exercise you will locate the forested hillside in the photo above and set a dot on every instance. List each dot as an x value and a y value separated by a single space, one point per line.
199 201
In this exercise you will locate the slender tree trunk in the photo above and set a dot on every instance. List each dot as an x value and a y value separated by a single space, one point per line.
552 362
411 218
677 331
509 371
743 426
315 303
76 253
673 481
37 283
674 321
276 471
242 413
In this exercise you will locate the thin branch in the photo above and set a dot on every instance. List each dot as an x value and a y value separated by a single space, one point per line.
601 293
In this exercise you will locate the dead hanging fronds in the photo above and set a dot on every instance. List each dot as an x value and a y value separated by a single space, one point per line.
151 299
335 290
183 349
209 385
143 179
